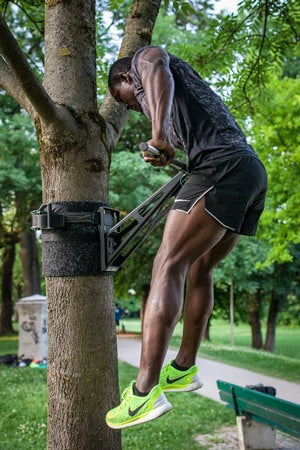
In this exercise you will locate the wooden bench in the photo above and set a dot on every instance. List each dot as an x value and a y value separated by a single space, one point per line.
259 415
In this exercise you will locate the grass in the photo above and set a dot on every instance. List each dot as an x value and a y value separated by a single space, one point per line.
8 344
283 363
23 405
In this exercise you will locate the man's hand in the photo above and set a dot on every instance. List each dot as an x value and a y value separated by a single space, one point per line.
166 155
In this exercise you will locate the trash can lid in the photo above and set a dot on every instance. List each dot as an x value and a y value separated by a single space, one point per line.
34 297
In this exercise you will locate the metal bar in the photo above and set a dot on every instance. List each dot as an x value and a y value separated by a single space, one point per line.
153 206
152 151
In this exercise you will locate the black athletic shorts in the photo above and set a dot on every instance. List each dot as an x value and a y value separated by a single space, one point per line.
234 190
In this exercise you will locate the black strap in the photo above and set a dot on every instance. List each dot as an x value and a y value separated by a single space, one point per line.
51 216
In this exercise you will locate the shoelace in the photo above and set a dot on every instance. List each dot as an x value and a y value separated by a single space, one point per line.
125 397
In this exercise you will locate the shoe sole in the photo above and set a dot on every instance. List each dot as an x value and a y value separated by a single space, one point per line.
191 387
154 414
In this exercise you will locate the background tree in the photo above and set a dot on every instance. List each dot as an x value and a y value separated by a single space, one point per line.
20 192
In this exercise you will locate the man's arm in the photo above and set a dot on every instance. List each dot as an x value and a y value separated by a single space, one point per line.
158 84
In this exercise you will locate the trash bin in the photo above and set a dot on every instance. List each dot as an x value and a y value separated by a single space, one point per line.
32 327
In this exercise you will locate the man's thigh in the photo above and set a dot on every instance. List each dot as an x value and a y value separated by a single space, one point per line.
186 237
205 264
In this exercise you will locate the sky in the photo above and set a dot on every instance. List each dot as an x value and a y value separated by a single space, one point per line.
229 5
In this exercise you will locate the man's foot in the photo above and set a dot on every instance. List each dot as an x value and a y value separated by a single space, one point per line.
134 409
173 380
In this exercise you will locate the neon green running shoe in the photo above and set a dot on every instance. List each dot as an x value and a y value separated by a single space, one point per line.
134 409
173 380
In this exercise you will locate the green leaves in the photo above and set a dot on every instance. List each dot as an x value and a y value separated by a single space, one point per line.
275 134
19 163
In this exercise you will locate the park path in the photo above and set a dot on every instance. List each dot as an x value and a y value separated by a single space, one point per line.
210 371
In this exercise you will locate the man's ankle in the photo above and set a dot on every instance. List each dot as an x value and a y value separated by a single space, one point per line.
139 393
180 367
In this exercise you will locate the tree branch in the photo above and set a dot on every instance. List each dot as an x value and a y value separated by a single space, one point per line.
264 35
15 59
231 35
9 83
138 32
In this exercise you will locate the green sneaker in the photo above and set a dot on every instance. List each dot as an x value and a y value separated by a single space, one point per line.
134 409
173 380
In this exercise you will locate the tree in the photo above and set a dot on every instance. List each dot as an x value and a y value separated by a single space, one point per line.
75 141
251 286
285 282
275 134
20 193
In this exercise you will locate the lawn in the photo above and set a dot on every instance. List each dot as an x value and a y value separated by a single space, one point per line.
23 405
284 363
23 396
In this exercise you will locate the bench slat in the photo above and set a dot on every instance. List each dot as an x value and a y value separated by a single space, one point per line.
263 408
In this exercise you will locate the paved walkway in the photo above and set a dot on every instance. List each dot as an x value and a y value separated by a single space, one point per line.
210 371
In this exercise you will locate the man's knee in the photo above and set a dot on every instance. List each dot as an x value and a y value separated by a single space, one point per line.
168 262
202 276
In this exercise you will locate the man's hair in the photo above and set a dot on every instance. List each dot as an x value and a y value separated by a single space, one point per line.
118 68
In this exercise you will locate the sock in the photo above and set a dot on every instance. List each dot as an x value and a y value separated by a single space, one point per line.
139 393
178 367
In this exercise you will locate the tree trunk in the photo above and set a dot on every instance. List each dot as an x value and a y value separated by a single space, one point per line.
271 326
30 263
254 317
82 349
7 276
76 144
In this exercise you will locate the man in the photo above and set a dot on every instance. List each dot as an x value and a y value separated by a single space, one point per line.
223 198
118 315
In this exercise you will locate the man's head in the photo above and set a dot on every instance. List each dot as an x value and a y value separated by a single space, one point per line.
120 83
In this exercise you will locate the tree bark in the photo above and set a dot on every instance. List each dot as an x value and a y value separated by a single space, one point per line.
254 318
30 263
6 290
271 326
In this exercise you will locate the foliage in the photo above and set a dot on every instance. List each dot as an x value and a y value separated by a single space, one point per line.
20 180
19 162
275 133
26 19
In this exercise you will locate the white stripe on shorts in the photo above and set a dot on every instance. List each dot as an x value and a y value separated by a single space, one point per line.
197 200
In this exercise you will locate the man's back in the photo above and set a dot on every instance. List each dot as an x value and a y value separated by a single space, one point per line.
200 124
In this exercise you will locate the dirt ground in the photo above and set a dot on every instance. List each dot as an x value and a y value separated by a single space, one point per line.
226 438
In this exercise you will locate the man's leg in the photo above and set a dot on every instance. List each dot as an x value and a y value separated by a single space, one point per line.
199 299
186 237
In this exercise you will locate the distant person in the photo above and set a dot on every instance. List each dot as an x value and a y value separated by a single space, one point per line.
118 315
222 199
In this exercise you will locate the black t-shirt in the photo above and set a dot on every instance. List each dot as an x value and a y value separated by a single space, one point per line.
201 124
